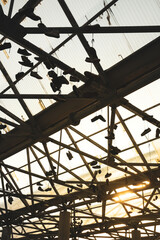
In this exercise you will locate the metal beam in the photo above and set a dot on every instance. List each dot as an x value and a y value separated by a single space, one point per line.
96 29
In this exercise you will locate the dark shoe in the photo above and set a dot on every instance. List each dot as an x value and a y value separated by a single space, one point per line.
69 71
74 79
31 15
99 117
63 80
5 46
92 60
157 133
25 59
91 76
69 155
23 52
52 74
26 64
52 33
35 75
2 126
76 91
19 75
145 131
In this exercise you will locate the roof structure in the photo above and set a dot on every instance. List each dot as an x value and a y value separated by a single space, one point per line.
80 118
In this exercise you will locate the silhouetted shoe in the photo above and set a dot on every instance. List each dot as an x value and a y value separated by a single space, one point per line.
99 117
5 46
76 91
69 71
2 126
23 52
69 155
19 75
35 75
52 74
108 175
63 80
29 13
55 85
92 52
42 27
49 32
74 79
93 55
114 150
48 189
39 184
10 199
47 64
157 133
93 163
26 64
91 76
110 136
40 189
25 59
52 33
96 167
38 58
145 131
92 60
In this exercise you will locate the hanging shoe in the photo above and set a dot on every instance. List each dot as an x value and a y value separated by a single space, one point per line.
76 91
80 185
48 189
2 126
92 60
5 46
48 32
69 71
74 79
40 189
39 184
52 74
91 76
25 59
93 55
29 13
42 27
35 75
69 155
145 131
96 167
26 64
157 132
110 136
92 52
63 80
55 85
19 75
52 33
23 52
10 199
114 150
93 163
99 117
108 175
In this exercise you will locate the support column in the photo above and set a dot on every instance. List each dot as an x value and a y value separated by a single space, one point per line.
6 233
64 226
136 235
